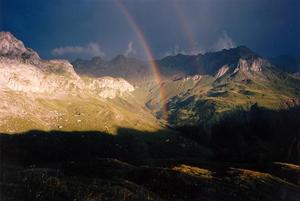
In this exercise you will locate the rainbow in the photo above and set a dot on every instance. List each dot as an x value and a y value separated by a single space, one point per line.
183 21
149 55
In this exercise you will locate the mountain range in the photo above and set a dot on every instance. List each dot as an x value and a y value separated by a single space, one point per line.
47 95
219 126
200 87
53 94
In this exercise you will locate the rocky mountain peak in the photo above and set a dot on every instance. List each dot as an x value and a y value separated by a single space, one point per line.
60 67
21 70
232 55
13 48
240 52
97 60
119 59
211 63
10 45
177 57
244 50
255 65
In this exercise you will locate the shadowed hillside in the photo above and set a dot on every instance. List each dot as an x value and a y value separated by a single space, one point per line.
256 135
229 160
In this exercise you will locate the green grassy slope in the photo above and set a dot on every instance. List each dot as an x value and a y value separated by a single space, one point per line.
75 114
196 101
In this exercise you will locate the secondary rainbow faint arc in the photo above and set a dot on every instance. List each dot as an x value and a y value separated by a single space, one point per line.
148 53
183 21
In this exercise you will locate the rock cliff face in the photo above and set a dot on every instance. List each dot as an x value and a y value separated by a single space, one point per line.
25 77
248 67
13 48
108 87
252 66
22 70
222 71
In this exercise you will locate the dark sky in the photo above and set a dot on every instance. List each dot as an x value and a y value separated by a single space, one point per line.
85 28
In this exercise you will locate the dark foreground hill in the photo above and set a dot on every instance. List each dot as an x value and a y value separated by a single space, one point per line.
245 156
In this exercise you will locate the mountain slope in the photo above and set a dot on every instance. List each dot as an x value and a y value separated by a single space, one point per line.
204 64
228 80
198 88
47 95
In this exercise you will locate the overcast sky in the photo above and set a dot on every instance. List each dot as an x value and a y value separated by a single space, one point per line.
86 28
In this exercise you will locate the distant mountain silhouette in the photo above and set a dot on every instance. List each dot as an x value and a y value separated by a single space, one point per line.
287 63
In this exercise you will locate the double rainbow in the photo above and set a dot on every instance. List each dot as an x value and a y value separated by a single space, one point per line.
147 49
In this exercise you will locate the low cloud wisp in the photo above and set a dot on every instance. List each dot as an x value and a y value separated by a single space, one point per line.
90 49
224 42
177 50
130 50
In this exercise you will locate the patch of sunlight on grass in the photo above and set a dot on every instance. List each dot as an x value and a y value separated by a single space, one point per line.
250 174
289 166
194 171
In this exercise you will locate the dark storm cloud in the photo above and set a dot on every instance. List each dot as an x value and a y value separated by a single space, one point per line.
68 26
